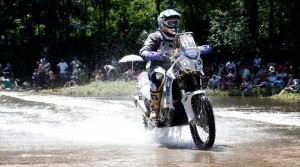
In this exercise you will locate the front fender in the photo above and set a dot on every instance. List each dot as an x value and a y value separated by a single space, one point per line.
186 100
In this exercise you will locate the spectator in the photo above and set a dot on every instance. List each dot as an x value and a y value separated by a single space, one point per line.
260 81
214 82
223 83
42 75
8 71
272 78
272 70
43 61
76 73
6 83
99 75
245 73
84 75
230 65
247 84
62 71
114 62
51 77
238 79
128 74
75 64
292 83
110 72
35 79
256 63
47 66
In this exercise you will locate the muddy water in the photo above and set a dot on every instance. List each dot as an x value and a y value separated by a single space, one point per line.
51 131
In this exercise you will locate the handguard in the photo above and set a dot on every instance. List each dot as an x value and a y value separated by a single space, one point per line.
204 49
150 55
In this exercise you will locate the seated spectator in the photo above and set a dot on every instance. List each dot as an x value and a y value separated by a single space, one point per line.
291 85
214 82
6 83
223 83
247 84
272 71
245 72
260 81
99 75
272 78
275 81
257 81
238 79
128 75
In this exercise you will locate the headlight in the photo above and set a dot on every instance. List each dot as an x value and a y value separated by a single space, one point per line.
192 53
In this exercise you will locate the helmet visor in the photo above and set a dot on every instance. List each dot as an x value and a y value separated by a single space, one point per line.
172 23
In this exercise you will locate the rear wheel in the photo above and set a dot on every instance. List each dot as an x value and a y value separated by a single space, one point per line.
203 129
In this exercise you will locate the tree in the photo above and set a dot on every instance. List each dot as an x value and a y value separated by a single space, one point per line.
229 32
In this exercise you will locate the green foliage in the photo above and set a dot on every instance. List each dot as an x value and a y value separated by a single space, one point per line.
96 30
290 97
229 29
258 92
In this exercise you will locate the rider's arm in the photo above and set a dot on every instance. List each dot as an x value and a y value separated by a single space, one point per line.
151 43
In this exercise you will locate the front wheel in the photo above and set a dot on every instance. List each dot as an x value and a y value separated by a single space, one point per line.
203 129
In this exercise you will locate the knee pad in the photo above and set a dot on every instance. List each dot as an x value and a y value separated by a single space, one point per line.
158 80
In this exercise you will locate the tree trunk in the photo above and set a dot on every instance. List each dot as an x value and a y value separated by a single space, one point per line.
252 13
271 22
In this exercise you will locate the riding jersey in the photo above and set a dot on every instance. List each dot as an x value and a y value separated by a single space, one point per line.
155 42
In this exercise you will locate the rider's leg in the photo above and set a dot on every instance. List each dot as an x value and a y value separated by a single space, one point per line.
156 91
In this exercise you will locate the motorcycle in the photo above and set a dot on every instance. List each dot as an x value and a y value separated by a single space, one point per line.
183 101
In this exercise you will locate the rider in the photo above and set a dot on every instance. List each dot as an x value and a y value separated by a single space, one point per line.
157 44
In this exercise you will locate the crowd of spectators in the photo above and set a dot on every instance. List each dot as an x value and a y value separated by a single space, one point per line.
245 75
240 75
62 74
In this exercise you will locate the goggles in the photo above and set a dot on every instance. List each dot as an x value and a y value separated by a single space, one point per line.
171 23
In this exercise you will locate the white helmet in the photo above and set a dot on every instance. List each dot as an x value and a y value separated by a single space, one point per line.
168 22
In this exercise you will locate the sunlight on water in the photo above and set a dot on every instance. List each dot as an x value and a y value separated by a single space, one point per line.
274 117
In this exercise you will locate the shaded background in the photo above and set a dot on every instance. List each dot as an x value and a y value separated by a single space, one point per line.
98 30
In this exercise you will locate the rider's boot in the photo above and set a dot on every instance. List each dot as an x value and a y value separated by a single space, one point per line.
155 105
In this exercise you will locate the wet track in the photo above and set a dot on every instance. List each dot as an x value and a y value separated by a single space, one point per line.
51 131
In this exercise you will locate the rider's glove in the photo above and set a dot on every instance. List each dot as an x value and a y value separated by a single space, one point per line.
150 55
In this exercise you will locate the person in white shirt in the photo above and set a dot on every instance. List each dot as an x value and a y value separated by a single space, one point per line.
230 65
110 72
75 64
62 70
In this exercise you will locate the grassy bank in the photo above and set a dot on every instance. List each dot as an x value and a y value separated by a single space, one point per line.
261 92
120 88
97 88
